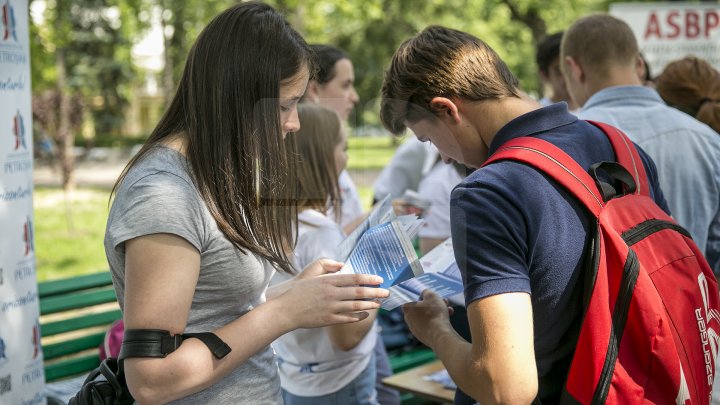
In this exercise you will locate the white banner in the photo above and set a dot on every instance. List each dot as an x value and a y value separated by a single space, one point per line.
670 31
21 362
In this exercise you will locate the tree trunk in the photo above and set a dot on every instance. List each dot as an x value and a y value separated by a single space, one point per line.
65 135
531 18
168 67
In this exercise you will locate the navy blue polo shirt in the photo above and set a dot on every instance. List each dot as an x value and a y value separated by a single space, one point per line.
516 230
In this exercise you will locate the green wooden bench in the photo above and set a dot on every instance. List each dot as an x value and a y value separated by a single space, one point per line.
400 362
413 358
75 313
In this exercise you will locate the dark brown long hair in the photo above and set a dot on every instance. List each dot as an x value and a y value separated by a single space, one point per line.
326 57
226 109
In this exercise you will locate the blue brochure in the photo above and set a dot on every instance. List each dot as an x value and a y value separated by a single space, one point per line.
382 245
386 251
441 275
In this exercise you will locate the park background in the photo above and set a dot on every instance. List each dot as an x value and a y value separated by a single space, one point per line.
102 71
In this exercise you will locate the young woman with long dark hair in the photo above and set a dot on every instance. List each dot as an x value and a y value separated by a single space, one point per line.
201 219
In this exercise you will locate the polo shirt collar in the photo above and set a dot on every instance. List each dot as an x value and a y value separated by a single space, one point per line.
624 96
537 121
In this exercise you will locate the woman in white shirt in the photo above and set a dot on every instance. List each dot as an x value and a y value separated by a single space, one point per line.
333 365
333 87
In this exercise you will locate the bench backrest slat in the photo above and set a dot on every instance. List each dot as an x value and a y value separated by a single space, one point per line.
71 367
84 299
71 335
413 358
77 345
80 322
56 287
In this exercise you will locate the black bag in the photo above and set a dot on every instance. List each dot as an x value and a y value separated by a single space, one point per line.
112 389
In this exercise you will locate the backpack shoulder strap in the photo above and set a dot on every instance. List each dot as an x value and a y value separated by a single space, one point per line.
627 155
551 160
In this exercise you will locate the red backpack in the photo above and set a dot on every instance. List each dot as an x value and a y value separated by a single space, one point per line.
650 324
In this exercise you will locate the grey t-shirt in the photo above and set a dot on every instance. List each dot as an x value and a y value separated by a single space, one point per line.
158 196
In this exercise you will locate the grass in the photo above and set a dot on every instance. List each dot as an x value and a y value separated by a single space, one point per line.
370 153
63 252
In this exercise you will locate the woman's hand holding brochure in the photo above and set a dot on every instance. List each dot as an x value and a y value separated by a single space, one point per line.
382 245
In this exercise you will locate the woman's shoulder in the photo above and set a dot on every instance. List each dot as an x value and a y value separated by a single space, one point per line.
161 166
313 219
315 225
159 180
157 196
318 236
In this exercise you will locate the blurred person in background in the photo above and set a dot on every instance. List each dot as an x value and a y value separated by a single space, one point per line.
547 58
333 365
601 64
692 86
333 88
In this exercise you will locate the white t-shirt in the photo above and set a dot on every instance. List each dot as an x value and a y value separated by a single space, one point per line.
308 362
410 162
436 187
350 200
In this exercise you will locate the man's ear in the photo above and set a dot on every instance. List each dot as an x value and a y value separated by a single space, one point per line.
312 92
640 69
445 109
572 69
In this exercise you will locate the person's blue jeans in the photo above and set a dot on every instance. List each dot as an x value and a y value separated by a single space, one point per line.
360 391
386 395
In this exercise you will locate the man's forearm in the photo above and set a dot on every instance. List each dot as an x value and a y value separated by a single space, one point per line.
457 356
499 366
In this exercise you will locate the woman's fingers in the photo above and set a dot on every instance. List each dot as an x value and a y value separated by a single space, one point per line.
330 266
349 317
320 267
354 306
359 293
346 280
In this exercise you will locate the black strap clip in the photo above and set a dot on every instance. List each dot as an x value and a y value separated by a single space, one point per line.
169 344
160 343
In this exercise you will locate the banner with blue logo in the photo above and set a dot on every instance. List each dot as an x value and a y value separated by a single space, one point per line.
21 360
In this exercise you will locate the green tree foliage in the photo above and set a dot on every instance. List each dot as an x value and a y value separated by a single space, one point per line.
98 47
372 30
84 52
181 23
95 38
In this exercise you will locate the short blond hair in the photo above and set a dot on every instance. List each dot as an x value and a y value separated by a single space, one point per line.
599 42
